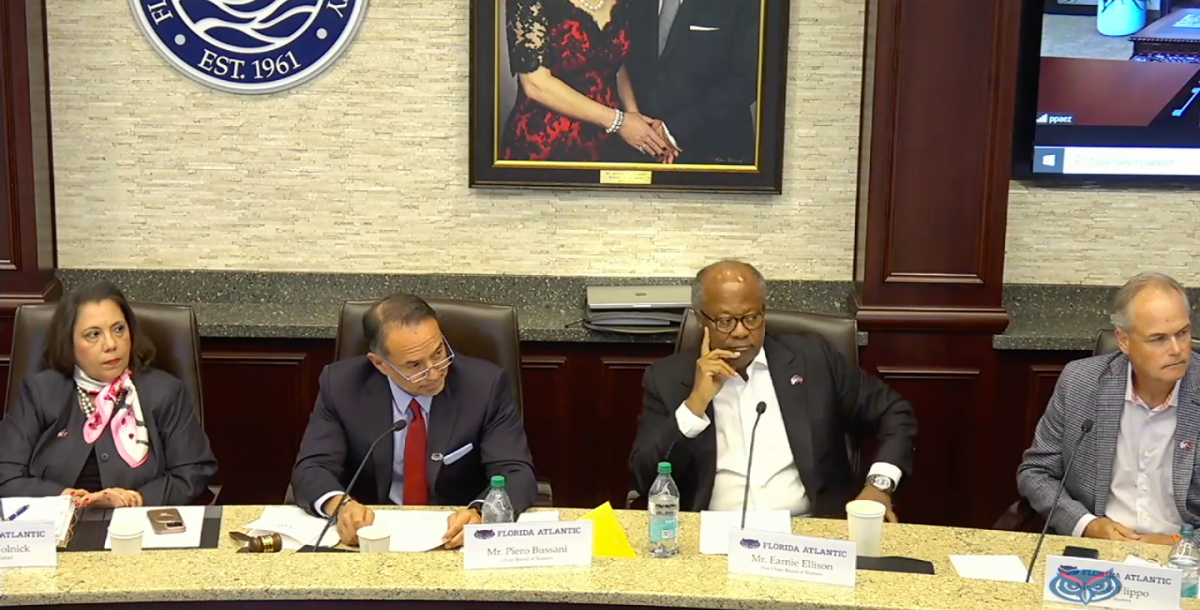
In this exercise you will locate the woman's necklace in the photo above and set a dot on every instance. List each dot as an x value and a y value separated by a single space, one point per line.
593 7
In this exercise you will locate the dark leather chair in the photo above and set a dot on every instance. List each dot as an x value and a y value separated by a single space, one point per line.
1106 343
479 330
840 332
1020 516
171 328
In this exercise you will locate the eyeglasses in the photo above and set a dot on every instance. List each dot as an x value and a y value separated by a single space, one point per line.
422 375
752 321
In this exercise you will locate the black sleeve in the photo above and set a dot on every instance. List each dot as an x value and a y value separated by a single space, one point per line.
321 461
527 27
657 434
19 433
872 407
504 449
189 461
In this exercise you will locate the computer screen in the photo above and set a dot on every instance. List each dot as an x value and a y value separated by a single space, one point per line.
1116 92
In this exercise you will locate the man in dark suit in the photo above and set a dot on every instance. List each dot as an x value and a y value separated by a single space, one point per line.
694 67
699 411
463 427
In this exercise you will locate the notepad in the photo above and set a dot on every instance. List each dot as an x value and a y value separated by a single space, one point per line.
414 531
716 525
193 520
58 510
1007 568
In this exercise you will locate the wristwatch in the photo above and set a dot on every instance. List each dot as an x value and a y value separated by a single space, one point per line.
882 483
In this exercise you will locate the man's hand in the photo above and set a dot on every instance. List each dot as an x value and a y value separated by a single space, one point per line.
712 371
455 523
1158 539
873 494
113 497
353 517
1107 529
673 151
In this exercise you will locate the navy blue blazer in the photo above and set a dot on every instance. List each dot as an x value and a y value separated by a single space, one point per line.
42 450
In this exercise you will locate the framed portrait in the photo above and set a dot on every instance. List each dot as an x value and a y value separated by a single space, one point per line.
667 95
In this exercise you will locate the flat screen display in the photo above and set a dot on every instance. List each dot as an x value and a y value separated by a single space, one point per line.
1117 91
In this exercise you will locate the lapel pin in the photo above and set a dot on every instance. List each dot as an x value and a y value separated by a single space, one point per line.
797 380
62 434
437 457
1187 445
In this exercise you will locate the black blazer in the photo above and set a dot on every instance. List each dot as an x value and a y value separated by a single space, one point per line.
42 450
354 407
834 398
706 79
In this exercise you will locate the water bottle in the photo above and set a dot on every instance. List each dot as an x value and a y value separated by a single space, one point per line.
497 508
1186 556
664 514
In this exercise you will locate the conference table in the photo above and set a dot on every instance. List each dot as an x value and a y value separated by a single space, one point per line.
220 579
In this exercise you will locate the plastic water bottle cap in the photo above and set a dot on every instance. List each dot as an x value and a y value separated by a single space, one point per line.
664 468
498 481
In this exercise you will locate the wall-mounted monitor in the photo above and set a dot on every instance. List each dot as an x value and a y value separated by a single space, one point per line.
1109 88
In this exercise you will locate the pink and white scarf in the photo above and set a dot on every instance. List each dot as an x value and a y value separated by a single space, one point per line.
117 408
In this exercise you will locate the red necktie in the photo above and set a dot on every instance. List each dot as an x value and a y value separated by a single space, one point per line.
416 485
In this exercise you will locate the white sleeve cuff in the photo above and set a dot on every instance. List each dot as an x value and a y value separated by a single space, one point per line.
321 502
690 425
887 470
1082 524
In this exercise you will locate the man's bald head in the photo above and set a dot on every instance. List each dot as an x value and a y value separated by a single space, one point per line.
726 275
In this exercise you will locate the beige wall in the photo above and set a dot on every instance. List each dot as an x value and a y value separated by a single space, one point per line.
1101 236
365 168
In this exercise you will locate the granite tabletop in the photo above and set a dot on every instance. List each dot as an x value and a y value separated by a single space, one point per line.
549 308
690 580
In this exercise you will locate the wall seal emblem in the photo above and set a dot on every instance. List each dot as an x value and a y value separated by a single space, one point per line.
250 46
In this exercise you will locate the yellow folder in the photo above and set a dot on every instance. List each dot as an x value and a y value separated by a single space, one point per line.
611 540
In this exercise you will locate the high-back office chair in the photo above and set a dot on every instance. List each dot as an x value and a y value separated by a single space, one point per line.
840 332
171 328
1020 516
479 330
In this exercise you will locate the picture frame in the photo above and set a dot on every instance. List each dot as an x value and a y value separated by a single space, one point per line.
727 131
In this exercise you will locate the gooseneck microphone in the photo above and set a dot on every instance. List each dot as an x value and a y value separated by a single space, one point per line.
1086 427
760 409
316 547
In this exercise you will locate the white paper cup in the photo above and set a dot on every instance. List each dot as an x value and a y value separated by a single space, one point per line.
865 518
374 539
126 538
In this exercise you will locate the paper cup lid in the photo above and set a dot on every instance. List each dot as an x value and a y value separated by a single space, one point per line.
373 532
865 508
125 530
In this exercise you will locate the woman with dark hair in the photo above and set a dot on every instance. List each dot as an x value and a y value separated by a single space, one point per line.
100 424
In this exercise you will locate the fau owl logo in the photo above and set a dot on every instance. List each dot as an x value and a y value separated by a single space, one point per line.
250 46
1084 586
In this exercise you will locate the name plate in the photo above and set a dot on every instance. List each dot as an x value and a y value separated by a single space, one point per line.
527 545
1107 584
617 176
795 557
28 544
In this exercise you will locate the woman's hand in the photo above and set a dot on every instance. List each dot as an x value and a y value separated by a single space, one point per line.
638 132
113 497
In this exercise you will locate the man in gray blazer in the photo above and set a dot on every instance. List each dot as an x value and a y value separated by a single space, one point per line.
1134 475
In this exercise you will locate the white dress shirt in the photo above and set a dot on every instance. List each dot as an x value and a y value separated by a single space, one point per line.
1141 496
775 481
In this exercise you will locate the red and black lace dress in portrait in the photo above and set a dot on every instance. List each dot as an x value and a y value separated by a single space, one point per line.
567 41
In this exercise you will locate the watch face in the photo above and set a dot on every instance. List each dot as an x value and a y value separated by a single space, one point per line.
881 482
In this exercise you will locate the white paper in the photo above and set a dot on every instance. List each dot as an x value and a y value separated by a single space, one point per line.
528 545
55 509
776 555
716 525
543 516
1007 568
27 544
193 520
414 531
292 522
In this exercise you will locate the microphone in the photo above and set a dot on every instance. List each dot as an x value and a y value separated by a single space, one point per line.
316 547
760 408
1085 428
